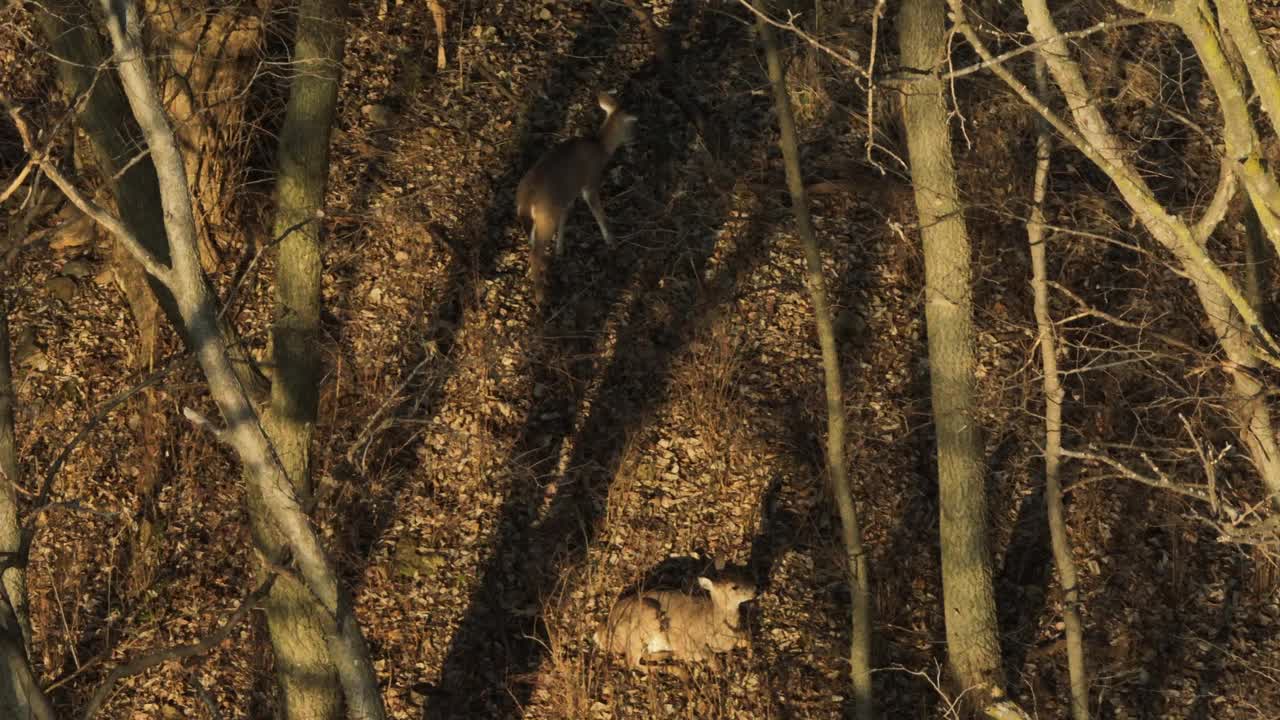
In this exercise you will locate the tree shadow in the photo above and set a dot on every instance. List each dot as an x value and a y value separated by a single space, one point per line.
1025 578
576 432
437 317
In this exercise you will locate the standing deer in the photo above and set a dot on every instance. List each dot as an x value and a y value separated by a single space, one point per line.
572 168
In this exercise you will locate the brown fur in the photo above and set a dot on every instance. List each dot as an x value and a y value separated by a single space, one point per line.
658 624
575 167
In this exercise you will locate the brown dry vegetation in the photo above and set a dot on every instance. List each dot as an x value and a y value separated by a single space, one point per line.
491 480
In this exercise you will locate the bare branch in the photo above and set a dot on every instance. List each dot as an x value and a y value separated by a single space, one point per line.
790 26
1070 35
1217 208
1266 532
108 221
17 181
257 255
46 486
1161 481
871 87
202 422
244 431
177 652
1234 16
1210 465
1095 142
1087 309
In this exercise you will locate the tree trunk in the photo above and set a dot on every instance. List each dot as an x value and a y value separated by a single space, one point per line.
266 477
68 28
1235 323
20 695
297 623
859 580
205 56
973 644
14 577
1053 395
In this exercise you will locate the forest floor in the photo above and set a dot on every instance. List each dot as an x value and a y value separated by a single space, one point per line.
492 476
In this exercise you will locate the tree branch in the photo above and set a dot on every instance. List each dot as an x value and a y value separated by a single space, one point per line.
1100 148
1197 492
177 652
108 221
790 26
1069 35
1219 204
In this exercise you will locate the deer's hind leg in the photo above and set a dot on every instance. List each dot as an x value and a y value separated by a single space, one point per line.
540 236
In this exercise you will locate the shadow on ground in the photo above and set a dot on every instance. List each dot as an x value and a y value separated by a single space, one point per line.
659 299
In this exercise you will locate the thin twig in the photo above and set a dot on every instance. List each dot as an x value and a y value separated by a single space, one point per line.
177 652
1087 309
377 415
1198 492
1210 467
248 271
871 87
790 27
46 485
1070 35
112 223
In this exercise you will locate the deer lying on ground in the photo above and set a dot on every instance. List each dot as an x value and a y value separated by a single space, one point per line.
662 624
574 167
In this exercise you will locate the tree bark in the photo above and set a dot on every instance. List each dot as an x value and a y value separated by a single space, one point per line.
104 116
1259 258
205 56
20 694
973 645
1234 15
859 580
1053 394
14 576
243 432
297 622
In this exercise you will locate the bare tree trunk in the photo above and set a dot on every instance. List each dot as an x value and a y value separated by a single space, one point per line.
973 644
14 577
1258 259
20 694
1053 395
206 55
68 28
298 624
1234 321
859 579
195 304
1234 15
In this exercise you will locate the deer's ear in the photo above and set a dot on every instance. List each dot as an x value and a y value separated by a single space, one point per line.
706 583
